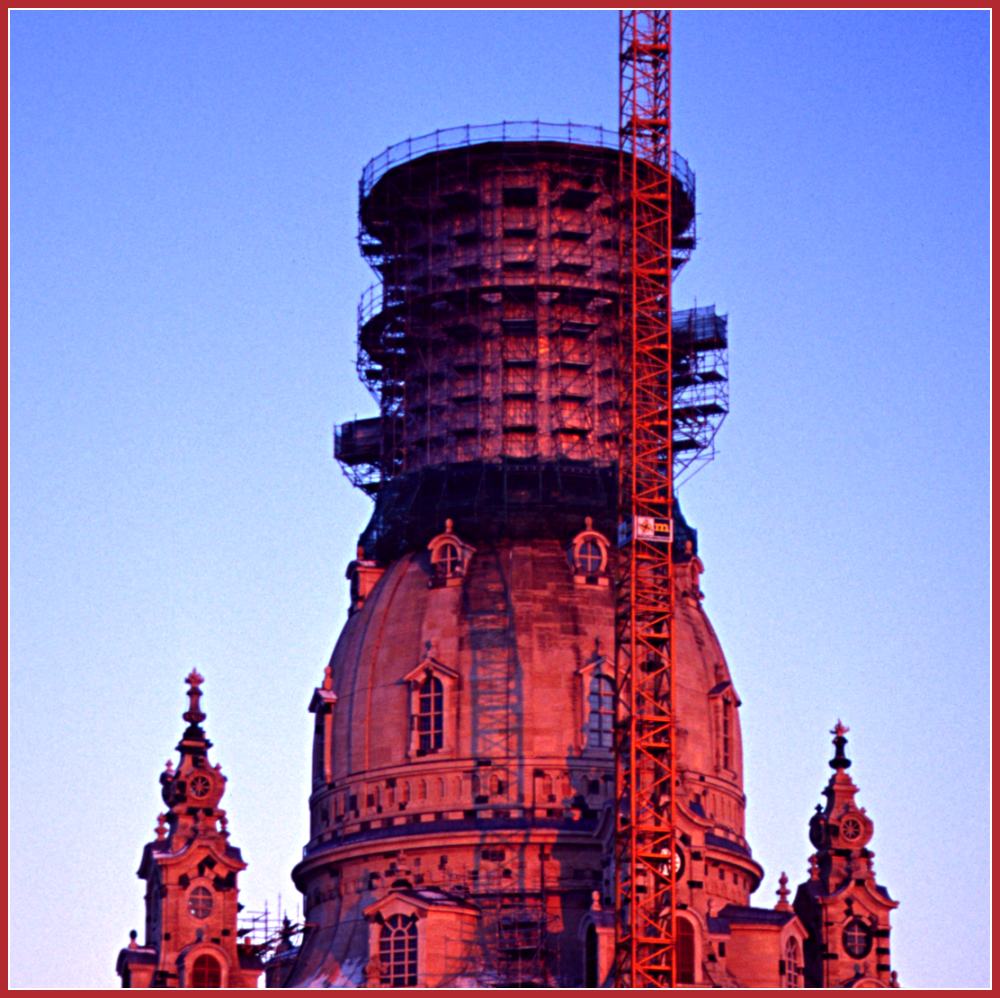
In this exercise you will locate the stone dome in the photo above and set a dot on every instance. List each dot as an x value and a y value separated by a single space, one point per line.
467 703
560 627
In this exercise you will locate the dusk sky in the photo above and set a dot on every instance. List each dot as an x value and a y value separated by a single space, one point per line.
184 279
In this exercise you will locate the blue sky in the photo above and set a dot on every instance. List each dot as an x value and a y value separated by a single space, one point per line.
184 277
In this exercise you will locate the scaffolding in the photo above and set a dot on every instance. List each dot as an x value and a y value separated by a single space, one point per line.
515 928
700 385
491 334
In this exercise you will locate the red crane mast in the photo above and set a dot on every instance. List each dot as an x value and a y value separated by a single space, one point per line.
645 764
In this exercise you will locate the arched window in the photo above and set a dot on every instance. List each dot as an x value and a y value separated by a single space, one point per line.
319 750
430 715
727 733
792 978
601 714
685 952
448 560
205 973
589 557
590 959
398 951
449 557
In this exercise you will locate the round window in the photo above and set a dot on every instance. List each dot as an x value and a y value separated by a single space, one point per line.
200 786
200 902
850 829
857 938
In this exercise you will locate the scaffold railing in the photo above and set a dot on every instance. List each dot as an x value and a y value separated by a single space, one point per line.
458 136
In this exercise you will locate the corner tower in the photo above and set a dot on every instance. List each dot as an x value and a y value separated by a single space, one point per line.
190 870
845 910
463 771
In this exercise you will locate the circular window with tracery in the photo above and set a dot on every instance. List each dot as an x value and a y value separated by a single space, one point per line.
200 902
850 829
200 786
857 938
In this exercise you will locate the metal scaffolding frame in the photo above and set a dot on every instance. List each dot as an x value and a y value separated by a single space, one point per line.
496 249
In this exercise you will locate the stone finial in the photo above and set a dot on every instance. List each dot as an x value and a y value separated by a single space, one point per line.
783 893
361 552
449 525
132 936
893 979
595 901
168 769
328 678
161 827
588 522
194 713
839 760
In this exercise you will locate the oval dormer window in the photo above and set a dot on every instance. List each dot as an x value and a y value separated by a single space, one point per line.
589 557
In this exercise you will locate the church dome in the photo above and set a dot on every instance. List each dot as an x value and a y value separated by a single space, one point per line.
559 644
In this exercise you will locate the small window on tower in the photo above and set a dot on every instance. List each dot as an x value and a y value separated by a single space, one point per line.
857 938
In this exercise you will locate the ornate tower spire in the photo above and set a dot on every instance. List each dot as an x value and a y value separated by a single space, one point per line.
194 715
783 893
839 760
843 907
190 871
